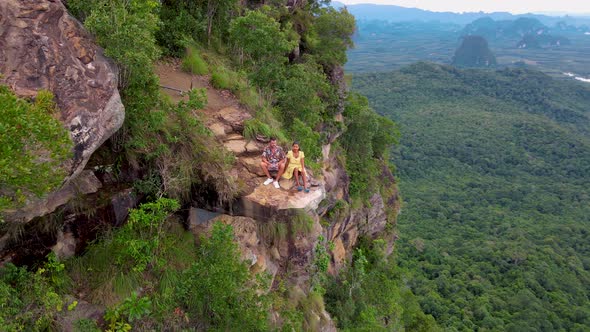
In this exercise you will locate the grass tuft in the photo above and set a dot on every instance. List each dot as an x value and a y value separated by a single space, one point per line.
223 78
193 63
273 232
302 223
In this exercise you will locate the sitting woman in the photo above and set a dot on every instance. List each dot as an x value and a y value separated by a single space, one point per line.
296 166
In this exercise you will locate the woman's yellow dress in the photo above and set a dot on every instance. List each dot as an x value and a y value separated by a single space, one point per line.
294 163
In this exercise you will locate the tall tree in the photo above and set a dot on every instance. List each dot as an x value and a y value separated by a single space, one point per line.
333 29
218 11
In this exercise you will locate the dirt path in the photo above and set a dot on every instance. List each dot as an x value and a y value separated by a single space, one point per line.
223 115
172 76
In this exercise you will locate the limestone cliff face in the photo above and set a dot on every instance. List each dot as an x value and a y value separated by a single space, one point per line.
347 223
474 52
278 230
43 47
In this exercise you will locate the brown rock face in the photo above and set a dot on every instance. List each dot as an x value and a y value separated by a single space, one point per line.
85 183
43 47
287 255
348 224
336 76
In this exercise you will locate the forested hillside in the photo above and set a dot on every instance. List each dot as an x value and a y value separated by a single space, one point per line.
495 171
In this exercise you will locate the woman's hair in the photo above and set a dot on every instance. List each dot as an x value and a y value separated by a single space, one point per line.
296 142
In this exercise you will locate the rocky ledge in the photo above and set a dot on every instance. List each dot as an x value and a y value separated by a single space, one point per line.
257 200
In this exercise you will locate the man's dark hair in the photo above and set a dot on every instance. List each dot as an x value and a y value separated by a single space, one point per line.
296 142
273 139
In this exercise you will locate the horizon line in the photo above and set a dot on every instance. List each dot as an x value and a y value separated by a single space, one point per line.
557 13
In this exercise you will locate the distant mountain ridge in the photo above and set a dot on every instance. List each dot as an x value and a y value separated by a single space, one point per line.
489 28
529 32
398 13
542 41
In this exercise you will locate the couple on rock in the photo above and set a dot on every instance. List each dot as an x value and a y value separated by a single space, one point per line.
274 159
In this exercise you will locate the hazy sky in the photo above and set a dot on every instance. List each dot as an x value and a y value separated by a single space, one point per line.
514 6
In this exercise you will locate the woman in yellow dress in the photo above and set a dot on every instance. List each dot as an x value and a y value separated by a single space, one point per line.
296 166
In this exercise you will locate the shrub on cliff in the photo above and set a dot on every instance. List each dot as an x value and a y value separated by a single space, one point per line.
330 36
303 93
218 290
126 30
30 301
371 295
33 144
261 46
178 25
366 140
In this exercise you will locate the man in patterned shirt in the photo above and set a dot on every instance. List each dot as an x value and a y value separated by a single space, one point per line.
273 159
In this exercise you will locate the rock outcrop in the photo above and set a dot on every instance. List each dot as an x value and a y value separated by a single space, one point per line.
225 117
43 47
85 183
542 41
348 224
68 230
474 52
265 250
277 230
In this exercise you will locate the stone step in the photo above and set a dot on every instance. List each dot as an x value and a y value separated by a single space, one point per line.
241 147
252 164
234 137
236 146
254 147
218 129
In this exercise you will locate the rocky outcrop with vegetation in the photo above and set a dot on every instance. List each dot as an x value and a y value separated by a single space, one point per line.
195 240
43 48
542 41
474 52
504 29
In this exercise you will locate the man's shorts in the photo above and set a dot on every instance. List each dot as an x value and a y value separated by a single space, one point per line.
273 166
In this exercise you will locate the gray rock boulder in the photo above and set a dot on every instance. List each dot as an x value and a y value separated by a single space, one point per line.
43 47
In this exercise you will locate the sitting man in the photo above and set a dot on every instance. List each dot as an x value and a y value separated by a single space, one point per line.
273 159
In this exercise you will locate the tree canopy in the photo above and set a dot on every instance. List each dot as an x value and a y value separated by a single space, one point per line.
494 167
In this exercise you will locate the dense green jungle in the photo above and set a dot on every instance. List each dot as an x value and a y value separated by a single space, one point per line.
494 167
